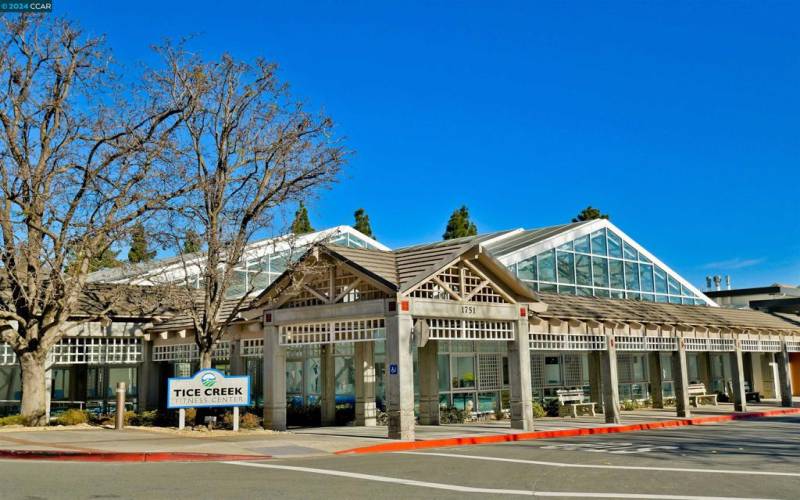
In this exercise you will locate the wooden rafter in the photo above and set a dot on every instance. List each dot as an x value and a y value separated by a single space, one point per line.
447 288
349 288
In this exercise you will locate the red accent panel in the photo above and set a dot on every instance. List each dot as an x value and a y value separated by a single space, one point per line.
404 305
523 311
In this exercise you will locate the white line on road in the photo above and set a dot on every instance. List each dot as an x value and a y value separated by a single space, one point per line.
593 466
470 489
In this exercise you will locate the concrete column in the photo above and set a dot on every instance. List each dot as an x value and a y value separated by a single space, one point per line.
595 377
364 362
48 385
148 379
274 381
737 374
400 375
610 381
428 383
784 377
327 384
519 375
656 374
236 360
680 380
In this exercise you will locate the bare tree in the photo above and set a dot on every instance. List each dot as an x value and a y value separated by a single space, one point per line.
252 151
81 158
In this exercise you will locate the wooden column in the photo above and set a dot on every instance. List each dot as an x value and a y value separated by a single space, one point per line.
365 383
784 376
656 379
610 382
428 383
737 374
680 380
400 374
274 381
327 384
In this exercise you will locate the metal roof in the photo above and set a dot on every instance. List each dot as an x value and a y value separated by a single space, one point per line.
528 237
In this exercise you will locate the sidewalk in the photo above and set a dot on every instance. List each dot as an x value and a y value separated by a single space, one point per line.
301 442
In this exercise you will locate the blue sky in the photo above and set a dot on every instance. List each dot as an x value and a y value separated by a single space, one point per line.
678 119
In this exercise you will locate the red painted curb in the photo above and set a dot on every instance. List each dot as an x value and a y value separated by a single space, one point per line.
526 436
110 456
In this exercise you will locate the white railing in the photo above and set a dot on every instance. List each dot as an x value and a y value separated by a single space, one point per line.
634 343
252 348
327 332
188 352
467 329
566 342
709 345
86 351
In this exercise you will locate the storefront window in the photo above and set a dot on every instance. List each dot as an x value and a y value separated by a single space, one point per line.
463 371
443 365
552 370
294 377
60 384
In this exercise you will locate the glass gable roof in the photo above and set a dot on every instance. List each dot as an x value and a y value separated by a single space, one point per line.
602 264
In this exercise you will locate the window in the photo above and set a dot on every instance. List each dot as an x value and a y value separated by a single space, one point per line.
583 270
599 242
547 267
600 271
566 267
631 276
582 244
615 271
463 371
661 280
443 364
526 269
629 252
552 370
646 277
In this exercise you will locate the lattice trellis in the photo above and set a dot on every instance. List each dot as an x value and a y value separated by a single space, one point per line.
566 342
461 329
793 345
760 345
573 370
459 282
537 371
625 368
489 377
188 352
346 287
358 330
252 348
7 356
86 351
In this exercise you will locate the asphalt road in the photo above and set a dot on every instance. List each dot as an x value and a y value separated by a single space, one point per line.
755 459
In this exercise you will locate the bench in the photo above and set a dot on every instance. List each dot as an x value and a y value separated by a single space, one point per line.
697 393
749 395
570 401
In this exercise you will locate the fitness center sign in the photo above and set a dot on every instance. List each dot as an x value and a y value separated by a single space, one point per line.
208 388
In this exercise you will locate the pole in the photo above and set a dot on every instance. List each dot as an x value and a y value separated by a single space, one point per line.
120 405
181 418
235 419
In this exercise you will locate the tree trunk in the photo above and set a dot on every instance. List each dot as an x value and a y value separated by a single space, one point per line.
34 389
205 362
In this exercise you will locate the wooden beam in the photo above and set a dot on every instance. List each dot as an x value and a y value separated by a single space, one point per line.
476 290
496 288
348 289
324 299
446 288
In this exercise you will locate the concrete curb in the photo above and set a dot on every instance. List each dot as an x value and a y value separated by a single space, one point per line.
526 436
128 457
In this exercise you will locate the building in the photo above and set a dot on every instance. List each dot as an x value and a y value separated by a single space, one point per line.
776 299
490 322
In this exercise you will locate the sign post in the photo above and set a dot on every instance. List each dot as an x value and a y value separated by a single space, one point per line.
208 389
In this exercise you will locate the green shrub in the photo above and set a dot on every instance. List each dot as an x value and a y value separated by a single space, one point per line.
452 415
73 416
538 410
12 420
145 418
629 405
553 408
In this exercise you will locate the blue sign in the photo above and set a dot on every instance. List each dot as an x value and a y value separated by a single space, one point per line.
393 369
208 388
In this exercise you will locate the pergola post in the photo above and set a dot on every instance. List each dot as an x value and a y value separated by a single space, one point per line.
784 376
656 379
519 374
595 377
737 374
365 383
274 381
680 380
148 380
236 360
610 381
428 383
327 383
400 373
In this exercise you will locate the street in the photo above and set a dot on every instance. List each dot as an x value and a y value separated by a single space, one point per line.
745 459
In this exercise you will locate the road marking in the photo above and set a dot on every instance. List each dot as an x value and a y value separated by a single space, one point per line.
592 466
470 489
614 448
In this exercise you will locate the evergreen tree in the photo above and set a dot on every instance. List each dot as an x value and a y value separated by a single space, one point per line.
362 223
589 213
191 242
105 260
301 224
459 225
139 251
